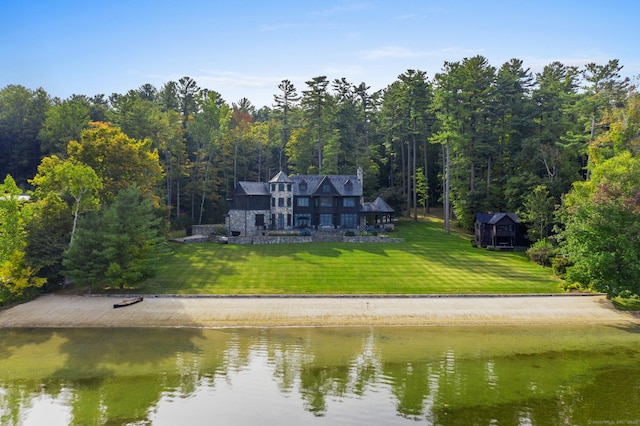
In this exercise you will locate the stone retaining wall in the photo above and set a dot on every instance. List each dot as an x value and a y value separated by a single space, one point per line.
281 239
372 239
302 239
202 229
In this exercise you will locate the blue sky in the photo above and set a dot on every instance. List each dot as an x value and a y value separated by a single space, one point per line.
246 48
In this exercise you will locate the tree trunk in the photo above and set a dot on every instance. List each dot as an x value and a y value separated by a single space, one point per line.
319 152
408 176
447 182
193 203
591 139
76 213
402 169
415 189
235 165
260 163
204 187
488 174
178 199
169 184
472 176
426 181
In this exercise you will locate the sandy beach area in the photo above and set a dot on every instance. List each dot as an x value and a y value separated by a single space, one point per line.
287 311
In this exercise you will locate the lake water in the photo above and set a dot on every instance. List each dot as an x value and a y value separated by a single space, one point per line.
321 376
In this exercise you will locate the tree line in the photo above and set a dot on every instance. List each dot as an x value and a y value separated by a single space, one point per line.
472 138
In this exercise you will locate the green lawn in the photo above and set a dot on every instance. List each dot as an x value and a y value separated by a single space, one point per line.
428 262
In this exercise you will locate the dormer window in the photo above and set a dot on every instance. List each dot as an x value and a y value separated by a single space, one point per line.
326 187
303 185
348 185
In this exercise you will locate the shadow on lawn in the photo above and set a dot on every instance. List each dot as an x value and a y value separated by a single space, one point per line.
428 252
302 252
426 241
196 267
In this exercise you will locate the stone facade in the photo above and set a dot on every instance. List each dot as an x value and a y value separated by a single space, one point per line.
294 203
244 221
281 188
317 237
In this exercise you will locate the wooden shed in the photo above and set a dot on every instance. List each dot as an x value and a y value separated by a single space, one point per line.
501 230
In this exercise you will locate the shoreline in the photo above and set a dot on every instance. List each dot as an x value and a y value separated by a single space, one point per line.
235 311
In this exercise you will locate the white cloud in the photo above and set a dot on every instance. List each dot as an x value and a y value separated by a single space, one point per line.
537 63
209 78
391 52
400 52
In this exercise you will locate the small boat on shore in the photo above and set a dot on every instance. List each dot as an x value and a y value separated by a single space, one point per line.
128 302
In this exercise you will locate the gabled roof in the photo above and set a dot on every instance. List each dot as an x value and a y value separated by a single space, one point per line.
251 188
345 185
377 206
493 218
281 177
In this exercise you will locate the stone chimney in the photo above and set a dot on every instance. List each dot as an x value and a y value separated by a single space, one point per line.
360 176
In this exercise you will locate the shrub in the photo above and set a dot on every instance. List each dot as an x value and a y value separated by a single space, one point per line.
219 229
306 232
567 286
627 301
560 265
349 234
541 252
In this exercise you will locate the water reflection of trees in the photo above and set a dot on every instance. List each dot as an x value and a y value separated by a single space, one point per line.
120 376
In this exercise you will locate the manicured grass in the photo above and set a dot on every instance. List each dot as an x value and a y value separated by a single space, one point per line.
429 262
626 304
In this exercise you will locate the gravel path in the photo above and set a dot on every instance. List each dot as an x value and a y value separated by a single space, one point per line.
163 311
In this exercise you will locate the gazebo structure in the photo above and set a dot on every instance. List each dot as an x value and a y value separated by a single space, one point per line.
378 214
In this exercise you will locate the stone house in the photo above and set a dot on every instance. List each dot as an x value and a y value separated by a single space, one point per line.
288 203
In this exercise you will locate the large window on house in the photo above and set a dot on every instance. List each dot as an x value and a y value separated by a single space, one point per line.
348 220
326 201
281 187
326 219
280 202
303 202
301 220
260 220
348 202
